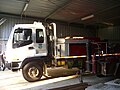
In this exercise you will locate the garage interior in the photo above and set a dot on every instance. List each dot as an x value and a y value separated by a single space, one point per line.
74 18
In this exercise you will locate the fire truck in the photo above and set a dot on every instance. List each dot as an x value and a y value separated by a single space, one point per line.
34 47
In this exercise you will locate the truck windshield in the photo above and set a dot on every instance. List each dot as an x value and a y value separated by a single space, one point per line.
22 37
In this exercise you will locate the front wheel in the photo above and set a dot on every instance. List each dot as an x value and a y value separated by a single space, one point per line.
2 64
32 71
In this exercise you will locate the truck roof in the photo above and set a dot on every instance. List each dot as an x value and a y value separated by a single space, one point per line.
34 25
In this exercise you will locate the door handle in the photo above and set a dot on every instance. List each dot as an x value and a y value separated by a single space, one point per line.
30 48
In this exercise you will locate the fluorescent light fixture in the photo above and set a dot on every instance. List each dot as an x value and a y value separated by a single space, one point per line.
2 21
87 17
26 5
109 24
78 37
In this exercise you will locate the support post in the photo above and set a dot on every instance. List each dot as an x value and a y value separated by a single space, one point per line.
88 50
81 78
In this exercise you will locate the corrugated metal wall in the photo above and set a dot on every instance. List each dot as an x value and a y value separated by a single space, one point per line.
112 34
73 30
63 29
6 28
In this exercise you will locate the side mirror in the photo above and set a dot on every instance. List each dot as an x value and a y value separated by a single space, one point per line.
18 30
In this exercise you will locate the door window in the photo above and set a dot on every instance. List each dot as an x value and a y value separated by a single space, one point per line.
39 36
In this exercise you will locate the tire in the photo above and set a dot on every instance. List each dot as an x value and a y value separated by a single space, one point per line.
2 64
32 72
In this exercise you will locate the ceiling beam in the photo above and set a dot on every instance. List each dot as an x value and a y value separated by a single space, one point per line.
8 15
109 8
96 13
58 9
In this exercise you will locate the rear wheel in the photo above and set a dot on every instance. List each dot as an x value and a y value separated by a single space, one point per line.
32 71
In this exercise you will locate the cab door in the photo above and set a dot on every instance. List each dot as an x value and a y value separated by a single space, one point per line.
22 44
41 42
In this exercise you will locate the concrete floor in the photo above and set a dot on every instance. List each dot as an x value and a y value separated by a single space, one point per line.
59 77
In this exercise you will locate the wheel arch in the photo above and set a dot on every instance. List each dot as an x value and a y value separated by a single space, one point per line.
39 60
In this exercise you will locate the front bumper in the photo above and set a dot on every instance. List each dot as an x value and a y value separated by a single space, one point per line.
13 65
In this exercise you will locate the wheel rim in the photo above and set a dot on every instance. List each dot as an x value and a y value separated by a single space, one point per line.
33 72
2 67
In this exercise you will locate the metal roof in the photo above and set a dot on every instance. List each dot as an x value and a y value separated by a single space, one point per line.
71 11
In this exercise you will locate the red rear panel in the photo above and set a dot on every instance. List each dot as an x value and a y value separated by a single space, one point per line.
77 49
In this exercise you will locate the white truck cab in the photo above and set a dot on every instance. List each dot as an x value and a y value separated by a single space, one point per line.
26 40
27 48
